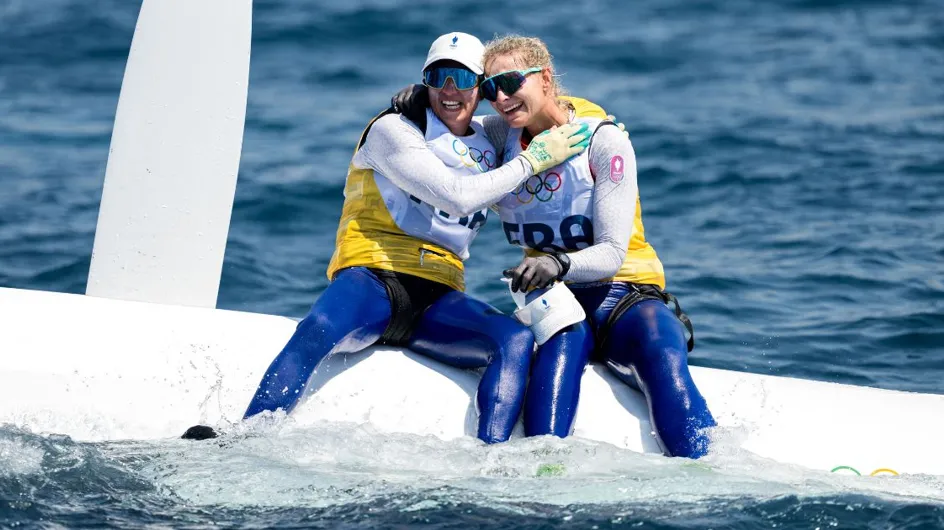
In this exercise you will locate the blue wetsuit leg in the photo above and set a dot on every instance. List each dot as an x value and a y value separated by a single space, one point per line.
649 339
461 331
554 389
350 315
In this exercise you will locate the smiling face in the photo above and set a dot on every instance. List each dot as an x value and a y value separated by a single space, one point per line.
452 106
528 102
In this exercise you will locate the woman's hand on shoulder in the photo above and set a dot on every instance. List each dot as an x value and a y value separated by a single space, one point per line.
621 125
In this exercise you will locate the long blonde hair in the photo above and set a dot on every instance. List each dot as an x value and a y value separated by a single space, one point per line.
528 52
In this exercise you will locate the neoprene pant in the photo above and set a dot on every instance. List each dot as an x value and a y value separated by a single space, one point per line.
458 330
649 341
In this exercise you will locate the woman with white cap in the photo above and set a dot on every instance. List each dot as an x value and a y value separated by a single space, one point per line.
581 222
397 273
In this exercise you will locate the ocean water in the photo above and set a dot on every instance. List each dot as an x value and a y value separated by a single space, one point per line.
791 170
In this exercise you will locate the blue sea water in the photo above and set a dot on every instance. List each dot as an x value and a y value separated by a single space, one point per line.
791 170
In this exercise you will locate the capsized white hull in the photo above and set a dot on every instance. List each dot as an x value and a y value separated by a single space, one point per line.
101 369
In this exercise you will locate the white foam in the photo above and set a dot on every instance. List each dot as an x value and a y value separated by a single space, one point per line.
291 465
18 456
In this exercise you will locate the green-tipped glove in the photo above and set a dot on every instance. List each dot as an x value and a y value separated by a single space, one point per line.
555 146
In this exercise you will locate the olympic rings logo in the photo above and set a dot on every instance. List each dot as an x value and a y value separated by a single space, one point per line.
879 471
472 157
540 187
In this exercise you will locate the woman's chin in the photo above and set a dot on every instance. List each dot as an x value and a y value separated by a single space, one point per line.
517 120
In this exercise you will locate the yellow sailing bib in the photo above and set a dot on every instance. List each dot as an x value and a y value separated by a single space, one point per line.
386 228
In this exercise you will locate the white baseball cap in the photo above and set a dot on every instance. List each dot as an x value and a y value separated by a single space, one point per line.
460 47
547 311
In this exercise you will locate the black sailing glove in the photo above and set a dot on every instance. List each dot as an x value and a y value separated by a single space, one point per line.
535 273
412 102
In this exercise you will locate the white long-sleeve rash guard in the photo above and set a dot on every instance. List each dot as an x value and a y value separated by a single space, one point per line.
614 207
397 149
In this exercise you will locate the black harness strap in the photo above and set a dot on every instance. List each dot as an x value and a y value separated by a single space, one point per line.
400 326
419 120
683 318
642 292
409 297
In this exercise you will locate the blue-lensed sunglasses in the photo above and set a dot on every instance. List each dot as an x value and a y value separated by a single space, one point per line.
463 78
508 82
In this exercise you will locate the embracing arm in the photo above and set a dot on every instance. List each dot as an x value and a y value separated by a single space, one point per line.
613 163
397 150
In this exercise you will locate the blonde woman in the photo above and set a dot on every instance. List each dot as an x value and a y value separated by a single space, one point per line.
581 222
